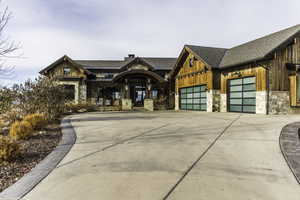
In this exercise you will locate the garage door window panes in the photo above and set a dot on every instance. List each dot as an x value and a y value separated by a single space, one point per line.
242 95
193 98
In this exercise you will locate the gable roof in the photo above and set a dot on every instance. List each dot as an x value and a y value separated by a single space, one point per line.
210 55
258 49
63 59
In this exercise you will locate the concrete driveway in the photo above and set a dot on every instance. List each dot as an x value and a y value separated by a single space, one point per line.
173 155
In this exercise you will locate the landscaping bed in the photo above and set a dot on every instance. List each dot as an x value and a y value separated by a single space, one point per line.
32 150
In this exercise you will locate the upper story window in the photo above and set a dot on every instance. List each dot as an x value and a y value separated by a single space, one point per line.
105 75
67 71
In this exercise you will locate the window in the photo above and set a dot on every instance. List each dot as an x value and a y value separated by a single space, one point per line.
67 71
116 95
105 75
70 92
154 94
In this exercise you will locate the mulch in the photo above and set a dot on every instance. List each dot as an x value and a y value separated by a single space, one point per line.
33 150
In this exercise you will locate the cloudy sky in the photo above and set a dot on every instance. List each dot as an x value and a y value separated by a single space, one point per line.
111 29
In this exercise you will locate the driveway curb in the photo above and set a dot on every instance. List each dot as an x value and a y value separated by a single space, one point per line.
290 147
43 169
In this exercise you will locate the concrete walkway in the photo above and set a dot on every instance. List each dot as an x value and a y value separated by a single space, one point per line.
173 155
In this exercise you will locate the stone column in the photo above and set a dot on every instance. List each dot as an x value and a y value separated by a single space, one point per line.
209 100
126 101
83 93
213 101
261 102
176 101
223 102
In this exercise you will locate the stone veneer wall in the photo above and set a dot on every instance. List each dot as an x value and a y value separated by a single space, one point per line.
261 102
148 104
82 93
223 102
279 102
213 100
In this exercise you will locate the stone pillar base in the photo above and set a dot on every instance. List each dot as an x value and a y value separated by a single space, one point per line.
223 102
148 104
176 101
126 104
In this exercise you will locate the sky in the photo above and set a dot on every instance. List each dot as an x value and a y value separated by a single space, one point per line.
112 29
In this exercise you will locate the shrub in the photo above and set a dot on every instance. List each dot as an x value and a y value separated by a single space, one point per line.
75 108
9 149
20 130
37 120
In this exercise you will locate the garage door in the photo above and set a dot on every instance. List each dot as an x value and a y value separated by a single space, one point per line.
193 98
242 95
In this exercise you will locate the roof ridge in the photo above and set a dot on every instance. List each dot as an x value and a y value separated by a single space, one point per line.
206 47
102 60
266 36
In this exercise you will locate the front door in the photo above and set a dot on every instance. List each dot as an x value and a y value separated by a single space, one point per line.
139 95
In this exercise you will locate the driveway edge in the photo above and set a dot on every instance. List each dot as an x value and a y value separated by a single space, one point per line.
290 147
43 169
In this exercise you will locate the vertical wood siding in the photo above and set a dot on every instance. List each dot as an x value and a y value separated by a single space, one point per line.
194 75
279 72
293 90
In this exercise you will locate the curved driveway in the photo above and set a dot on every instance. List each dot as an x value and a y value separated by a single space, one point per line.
173 155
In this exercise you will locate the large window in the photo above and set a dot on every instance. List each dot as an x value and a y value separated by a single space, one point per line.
67 70
193 98
242 95
70 92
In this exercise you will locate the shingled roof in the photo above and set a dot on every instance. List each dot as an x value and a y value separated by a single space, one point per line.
258 49
156 63
252 51
210 55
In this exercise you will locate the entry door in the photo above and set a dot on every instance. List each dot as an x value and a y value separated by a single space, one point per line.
193 98
242 95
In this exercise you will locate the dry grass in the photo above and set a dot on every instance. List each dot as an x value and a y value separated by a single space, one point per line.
37 120
9 148
20 130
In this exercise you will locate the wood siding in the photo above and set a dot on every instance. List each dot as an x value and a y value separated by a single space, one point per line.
246 71
74 71
279 75
198 74
293 90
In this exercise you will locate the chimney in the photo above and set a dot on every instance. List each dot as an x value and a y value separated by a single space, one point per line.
131 56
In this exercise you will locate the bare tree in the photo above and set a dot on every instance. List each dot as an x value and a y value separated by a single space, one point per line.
7 47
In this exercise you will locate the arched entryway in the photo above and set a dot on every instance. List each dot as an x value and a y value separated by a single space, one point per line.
140 87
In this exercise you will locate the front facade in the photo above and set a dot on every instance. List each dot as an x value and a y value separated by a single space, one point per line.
132 82
261 76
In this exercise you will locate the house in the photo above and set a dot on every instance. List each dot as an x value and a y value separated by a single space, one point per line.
134 81
260 76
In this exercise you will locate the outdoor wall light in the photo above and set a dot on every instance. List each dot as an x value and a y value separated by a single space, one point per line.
126 87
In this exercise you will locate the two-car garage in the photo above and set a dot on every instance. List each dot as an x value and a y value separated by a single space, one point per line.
241 96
